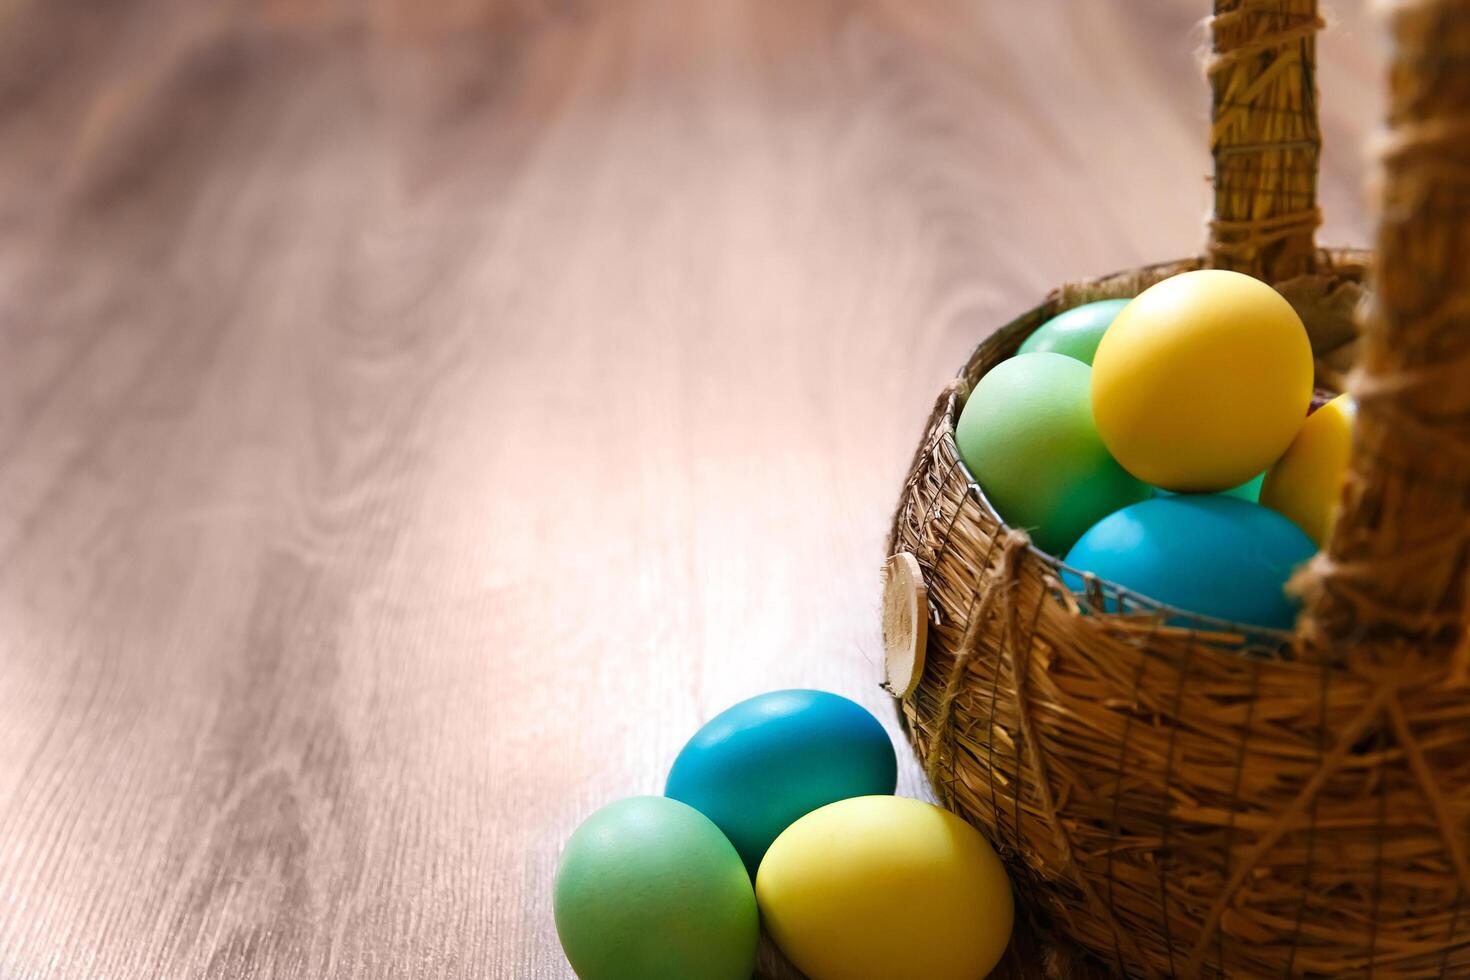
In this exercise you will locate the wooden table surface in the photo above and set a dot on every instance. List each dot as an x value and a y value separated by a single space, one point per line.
415 420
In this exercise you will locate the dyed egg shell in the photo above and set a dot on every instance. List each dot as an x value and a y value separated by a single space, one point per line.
1075 332
1249 490
883 887
1026 434
1305 482
648 887
1202 381
1211 555
756 767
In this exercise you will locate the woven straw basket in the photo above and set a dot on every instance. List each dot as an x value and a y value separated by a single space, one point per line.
1214 800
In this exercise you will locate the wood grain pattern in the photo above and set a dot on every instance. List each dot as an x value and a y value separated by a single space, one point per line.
414 420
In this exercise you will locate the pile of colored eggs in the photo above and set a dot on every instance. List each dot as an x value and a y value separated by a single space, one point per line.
780 812
1164 444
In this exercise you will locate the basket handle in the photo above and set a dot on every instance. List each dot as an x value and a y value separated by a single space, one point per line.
1392 584
1264 137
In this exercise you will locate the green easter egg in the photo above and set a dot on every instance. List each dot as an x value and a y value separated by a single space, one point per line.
649 888
1076 332
1026 434
1249 490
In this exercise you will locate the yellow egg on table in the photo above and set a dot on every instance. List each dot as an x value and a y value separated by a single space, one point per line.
1202 381
1305 482
880 888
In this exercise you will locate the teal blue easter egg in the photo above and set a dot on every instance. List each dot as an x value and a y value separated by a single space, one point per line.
1026 433
648 887
1207 554
756 768
1076 332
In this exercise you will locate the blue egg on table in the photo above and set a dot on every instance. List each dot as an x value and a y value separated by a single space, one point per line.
1208 554
756 768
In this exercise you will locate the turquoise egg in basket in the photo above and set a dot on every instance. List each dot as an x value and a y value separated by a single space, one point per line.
1208 554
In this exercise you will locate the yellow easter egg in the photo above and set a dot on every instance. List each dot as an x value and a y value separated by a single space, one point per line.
1202 381
1305 482
880 887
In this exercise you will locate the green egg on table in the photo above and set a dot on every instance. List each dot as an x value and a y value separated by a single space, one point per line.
649 888
760 765
1026 433
886 888
1075 332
